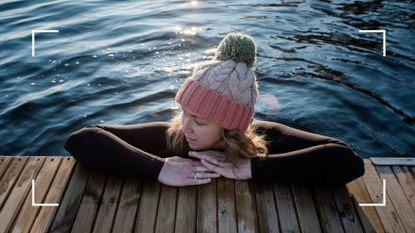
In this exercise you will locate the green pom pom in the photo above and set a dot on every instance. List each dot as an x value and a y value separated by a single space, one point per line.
238 47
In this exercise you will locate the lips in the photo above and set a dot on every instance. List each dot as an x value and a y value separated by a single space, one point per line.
190 140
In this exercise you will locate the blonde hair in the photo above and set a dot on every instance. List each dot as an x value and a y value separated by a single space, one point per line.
249 144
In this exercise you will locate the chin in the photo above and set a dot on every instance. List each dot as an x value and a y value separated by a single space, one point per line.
193 148
196 147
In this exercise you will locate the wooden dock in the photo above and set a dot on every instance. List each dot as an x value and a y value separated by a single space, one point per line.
95 202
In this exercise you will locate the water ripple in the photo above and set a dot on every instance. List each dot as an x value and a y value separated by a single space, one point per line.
121 62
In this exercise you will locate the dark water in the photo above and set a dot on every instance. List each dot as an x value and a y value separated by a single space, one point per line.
121 62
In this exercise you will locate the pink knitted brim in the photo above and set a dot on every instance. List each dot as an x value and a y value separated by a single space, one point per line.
213 106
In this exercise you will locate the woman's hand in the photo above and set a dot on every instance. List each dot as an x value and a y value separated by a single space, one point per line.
216 161
178 171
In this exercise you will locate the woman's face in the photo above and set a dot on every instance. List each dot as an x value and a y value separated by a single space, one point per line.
200 133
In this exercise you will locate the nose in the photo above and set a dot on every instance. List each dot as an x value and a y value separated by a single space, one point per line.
186 125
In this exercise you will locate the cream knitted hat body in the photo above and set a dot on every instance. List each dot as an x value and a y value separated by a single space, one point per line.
224 90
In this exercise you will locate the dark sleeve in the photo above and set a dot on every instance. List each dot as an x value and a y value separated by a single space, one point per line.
119 149
303 157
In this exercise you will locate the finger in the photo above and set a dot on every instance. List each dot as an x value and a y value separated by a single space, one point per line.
190 162
194 154
204 175
199 181
216 157
177 159
211 160
195 163
211 166
217 154
174 159
200 168
208 154
225 172
225 163
201 155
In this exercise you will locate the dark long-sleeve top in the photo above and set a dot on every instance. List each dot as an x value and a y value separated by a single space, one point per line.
293 155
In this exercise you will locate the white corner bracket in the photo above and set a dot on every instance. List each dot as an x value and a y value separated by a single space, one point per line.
384 198
33 38
384 37
39 204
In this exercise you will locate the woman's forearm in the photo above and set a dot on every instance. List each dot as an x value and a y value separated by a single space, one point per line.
327 164
103 151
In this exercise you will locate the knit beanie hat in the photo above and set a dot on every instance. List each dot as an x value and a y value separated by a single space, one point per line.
224 90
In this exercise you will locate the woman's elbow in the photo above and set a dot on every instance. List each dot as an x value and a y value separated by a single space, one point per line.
360 166
78 142
356 168
349 163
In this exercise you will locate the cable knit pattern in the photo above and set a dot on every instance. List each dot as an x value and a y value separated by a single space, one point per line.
233 80
224 91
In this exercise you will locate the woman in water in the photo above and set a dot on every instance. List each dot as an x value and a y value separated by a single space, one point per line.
215 135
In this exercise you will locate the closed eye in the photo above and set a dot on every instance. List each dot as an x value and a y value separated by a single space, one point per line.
199 122
195 118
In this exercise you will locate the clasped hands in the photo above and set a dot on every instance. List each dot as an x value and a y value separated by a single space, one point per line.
178 171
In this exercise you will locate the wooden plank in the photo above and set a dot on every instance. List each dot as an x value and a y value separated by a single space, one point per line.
186 210
207 208
387 214
306 211
266 212
127 208
393 161
364 221
56 191
407 182
347 213
4 164
90 203
18 194
286 207
400 203
226 205
245 206
166 212
10 178
398 198
72 198
108 205
368 216
27 214
147 210
327 210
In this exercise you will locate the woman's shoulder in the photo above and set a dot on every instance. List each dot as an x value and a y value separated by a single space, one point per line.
265 124
156 124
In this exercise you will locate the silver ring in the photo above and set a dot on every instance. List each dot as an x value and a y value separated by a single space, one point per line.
195 176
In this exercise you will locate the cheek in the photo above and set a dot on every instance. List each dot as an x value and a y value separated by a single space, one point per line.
209 137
